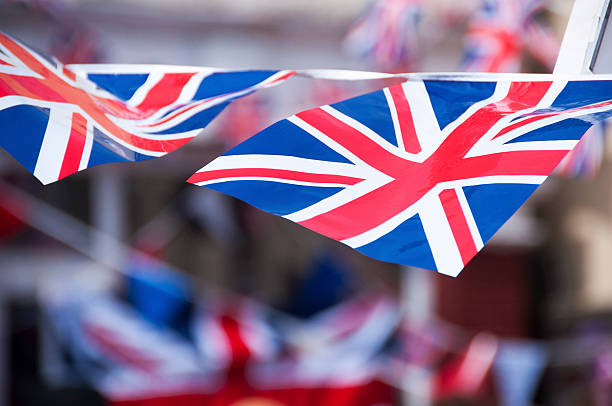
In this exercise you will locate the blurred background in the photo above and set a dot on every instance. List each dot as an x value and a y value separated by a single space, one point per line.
123 285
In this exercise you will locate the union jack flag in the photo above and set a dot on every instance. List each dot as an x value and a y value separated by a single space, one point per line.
501 30
57 120
423 173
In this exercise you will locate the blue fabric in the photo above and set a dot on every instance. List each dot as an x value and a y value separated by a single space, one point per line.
160 295
492 205
406 244
451 99
285 138
377 118
227 82
122 85
275 197
22 129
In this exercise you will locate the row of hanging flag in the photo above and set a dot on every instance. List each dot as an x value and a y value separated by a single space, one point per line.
152 345
438 162
391 35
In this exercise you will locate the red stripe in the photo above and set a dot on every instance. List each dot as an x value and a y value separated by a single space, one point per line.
280 174
458 224
181 111
69 74
404 117
75 147
521 123
413 180
283 77
54 88
166 91
240 350
107 341
355 141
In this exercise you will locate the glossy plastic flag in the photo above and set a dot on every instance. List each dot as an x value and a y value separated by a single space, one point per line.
57 120
423 173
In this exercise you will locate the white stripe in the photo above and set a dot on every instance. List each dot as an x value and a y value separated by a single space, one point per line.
272 80
440 236
389 225
382 142
16 67
498 144
552 94
53 148
88 146
339 74
325 140
141 93
191 87
424 118
469 217
490 180
534 146
500 93
269 179
290 163
394 118
339 199
382 229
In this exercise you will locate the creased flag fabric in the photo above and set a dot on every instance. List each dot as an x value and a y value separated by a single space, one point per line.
57 120
423 173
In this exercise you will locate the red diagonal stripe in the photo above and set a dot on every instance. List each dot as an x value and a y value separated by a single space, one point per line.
355 141
240 349
75 147
458 224
405 119
165 92
280 174
414 180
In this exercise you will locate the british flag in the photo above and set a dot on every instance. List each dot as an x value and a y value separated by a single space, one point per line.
57 120
423 173
501 30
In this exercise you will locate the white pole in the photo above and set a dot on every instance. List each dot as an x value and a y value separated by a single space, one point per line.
418 294
108 214
581 36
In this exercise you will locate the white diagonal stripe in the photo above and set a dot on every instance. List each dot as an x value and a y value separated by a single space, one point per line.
440 236
469 217
87 147
141 93
53 148
424 118
394 118
351 122
339 199
290 163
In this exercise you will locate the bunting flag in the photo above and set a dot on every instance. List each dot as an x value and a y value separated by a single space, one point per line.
387 33
121 354
423 173
57 120
517 370
501 30
131 361
466 375
230 334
